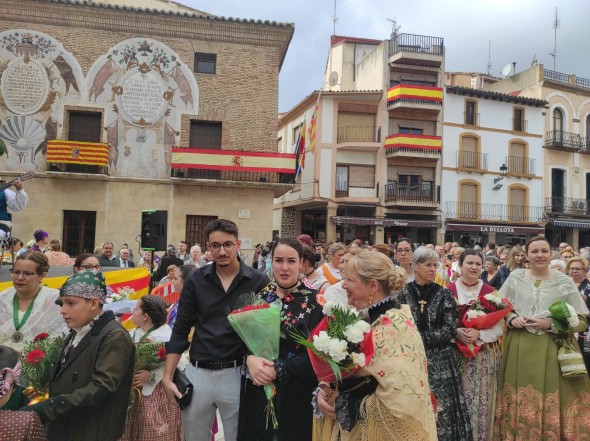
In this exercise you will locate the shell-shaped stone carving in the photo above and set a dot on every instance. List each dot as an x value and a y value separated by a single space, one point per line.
22 132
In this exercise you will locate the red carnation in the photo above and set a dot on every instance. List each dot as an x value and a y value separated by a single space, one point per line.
35 356
161 354
41 336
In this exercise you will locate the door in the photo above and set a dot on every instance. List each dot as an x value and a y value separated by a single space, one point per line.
557 190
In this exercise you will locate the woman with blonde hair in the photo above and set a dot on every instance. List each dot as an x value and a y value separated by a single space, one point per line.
330 270
56 256
516 259
390 398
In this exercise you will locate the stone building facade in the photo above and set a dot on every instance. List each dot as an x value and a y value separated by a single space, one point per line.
142 81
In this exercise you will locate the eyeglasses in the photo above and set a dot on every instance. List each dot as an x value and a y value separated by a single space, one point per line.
576 269
227 246
405 251
91 267
25 274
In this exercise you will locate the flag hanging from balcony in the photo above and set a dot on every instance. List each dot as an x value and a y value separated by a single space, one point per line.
237 160
76 152
300 151
422 93
312 126
413 141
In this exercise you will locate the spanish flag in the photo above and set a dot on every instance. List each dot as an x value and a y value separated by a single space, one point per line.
77 152
237 160
413 141
422 93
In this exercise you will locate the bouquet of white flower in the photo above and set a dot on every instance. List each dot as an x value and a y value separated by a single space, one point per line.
340 345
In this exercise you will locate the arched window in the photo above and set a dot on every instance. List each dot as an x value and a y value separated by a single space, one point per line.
558 127
469 154
468 200
518 162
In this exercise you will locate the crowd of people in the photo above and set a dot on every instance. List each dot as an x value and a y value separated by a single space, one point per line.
417 386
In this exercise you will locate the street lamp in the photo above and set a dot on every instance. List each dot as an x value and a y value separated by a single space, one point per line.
503 172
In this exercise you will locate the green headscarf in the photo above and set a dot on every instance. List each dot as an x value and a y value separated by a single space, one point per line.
86 285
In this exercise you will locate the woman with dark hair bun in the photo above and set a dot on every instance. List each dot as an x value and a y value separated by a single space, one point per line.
153 416
16 426
309 269
291 373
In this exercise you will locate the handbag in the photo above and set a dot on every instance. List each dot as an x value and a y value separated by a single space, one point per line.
184 386
569 357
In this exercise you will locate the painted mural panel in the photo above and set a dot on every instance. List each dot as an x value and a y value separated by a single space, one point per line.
145 89
37 75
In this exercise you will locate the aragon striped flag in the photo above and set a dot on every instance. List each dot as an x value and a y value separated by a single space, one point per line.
77 152
312 126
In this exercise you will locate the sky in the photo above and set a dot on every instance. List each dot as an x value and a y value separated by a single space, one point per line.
519 30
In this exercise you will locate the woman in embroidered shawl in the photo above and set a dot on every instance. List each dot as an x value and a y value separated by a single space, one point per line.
435 312
153 417
291 373
535 401
390 398
480 374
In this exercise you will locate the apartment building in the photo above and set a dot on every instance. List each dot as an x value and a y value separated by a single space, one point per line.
566 148
492 167
375 172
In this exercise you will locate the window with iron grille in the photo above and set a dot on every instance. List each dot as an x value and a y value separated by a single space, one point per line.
205 63
195 230
83 127
79 231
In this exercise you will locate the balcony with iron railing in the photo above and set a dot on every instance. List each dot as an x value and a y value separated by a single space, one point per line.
346 189
413 49
493 212
570 206
236 176
414 146
519 166
426 99
471 119
558 139
348 134
472 161
566 79
424 194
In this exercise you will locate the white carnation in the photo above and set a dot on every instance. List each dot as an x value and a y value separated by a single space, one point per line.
573 319
494 299
337 350
355 332
328 307
474 313
322 341
358 359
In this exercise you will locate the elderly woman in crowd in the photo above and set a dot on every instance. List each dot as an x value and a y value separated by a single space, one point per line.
390 398
577 269
490 274
330 270
435 312
55 255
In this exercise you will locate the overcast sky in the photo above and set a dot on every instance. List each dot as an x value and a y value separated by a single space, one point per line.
518 30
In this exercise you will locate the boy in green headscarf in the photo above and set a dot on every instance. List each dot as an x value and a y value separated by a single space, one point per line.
91 384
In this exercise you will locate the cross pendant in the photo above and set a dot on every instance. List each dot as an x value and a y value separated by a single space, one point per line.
422 304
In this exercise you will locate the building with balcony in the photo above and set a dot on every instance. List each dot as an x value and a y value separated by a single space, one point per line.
374 173
492 167
566 148
181 119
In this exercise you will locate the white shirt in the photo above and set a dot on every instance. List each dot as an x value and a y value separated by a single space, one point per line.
16 201
124 263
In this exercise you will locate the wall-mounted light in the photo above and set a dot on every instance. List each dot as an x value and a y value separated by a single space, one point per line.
503 172
497 186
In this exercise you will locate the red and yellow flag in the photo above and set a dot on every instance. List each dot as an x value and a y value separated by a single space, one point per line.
76 152
413 141
312 127
423 93
205 159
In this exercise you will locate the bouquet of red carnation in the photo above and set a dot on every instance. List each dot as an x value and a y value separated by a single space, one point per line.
258 325
482 313
340 345
40 357
149 355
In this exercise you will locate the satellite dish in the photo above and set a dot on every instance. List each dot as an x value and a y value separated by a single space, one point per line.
507 70
333 79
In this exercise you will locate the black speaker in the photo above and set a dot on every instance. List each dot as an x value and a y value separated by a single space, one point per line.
154 230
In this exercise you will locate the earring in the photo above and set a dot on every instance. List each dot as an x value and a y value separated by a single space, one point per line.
370 299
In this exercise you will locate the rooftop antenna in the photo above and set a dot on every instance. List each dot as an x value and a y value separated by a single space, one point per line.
555 26
489 56
394 27
335 17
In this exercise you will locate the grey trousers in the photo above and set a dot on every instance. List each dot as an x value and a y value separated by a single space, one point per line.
212 390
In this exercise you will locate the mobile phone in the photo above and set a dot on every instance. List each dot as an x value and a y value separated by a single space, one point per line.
450 256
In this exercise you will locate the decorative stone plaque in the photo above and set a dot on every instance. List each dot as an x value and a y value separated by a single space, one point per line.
141 101
25 86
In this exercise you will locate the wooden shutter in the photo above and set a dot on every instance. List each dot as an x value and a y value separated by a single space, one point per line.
469 156
517 208
518 162
362 177
468 201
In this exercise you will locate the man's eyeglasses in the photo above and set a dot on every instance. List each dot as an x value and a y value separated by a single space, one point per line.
91 267
227 246
25 274
406 251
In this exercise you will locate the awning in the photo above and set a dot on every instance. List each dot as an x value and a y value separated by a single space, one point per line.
340 220
485 228
571 223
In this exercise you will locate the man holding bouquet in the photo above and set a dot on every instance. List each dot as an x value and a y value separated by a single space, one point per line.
216 351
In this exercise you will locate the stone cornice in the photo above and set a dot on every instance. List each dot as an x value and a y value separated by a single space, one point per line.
148 23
